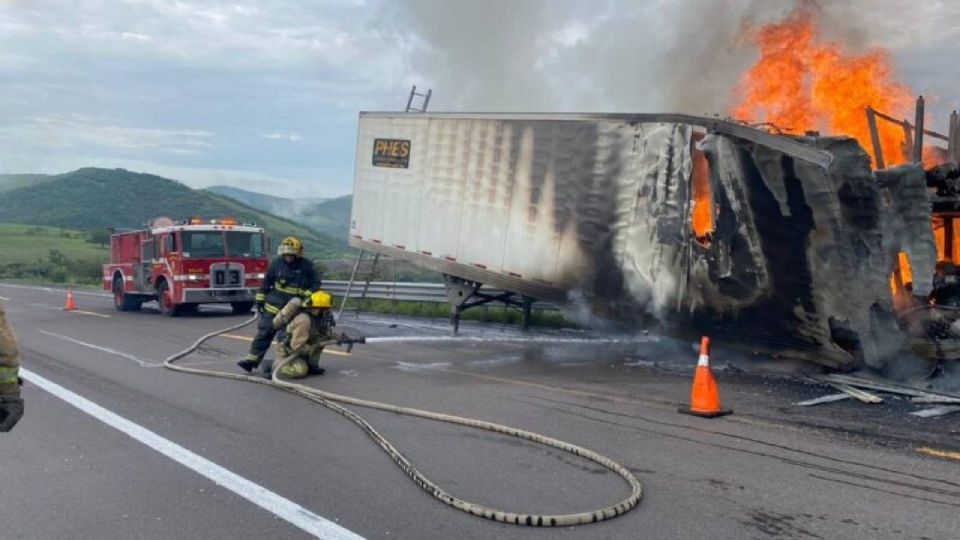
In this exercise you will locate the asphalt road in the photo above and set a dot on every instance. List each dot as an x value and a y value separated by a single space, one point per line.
156 454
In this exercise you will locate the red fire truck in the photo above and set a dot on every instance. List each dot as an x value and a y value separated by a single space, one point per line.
186 263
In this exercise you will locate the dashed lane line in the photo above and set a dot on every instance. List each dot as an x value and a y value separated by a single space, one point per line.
121 354
248 338
81 312
76 292
281 507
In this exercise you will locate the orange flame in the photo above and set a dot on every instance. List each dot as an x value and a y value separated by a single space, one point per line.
701 214
801 83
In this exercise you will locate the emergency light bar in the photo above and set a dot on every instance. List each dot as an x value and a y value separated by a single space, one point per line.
221 221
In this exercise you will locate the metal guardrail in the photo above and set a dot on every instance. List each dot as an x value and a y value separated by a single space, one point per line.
410 291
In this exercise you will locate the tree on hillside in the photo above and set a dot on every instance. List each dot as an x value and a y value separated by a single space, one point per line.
98 236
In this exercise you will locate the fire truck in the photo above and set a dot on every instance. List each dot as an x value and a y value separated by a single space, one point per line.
186 263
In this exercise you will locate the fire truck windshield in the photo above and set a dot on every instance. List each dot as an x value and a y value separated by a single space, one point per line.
197 244
244 244
200 244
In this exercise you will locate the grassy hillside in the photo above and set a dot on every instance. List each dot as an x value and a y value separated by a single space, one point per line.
99 198
331 217
50 254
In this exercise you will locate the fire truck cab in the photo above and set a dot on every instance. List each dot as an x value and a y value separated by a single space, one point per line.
187 263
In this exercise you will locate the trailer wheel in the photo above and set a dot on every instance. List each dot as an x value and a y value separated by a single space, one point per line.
123 301
241 308
165 298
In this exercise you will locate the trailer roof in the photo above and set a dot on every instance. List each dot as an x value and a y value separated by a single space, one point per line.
788 145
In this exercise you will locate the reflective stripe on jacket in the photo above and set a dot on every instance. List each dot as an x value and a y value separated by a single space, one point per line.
285 281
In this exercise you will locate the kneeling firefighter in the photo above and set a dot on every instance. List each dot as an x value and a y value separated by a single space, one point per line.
289 276
11 406
304 329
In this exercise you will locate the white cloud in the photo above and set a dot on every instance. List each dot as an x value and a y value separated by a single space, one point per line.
277 135
70 131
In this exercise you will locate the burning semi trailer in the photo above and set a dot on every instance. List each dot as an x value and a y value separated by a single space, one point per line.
784 244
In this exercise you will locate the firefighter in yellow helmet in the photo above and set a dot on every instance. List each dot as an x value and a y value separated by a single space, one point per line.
289 276
308 328
11 406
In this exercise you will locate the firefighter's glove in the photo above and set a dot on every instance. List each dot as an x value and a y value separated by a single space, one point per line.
11 410
282 336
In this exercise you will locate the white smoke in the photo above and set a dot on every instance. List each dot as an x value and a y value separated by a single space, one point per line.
624 56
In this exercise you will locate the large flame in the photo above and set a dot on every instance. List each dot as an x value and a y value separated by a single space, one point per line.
803 83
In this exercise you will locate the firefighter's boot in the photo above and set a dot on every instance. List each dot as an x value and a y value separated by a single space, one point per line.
266 369
314 368
247 365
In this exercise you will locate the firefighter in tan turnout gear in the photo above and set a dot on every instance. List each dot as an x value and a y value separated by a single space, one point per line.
289 276
305 329
11 406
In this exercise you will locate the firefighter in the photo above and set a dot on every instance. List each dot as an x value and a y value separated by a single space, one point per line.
289 276
11 406
308 327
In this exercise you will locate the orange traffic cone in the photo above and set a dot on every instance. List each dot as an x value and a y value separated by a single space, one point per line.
70 306
704 397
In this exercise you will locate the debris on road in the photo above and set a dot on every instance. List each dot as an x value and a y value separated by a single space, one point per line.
829 398
854 387
936 411
856 393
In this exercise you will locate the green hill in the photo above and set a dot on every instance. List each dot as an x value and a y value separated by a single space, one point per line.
331 217
14 181
93 198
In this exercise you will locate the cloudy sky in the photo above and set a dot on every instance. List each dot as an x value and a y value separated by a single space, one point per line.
264 94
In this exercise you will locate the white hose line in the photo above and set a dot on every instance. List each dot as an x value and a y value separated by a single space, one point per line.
327 399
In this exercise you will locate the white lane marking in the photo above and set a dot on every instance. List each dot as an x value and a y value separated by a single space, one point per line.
142 363
56 291
271 502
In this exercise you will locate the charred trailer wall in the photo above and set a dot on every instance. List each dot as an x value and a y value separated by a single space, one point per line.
796 261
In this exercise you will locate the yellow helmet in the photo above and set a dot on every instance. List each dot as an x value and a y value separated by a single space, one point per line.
290 245
320 300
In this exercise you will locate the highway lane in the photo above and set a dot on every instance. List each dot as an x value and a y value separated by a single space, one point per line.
750 475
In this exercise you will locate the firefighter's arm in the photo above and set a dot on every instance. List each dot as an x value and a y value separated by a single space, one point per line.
299 330
11 406
287 314
268 279
313 279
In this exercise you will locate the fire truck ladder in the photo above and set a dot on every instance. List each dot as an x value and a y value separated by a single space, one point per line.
359 272
424 102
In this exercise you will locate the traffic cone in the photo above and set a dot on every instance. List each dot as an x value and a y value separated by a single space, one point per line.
70 306
704 397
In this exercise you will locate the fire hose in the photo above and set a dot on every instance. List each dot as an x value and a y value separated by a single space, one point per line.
331 400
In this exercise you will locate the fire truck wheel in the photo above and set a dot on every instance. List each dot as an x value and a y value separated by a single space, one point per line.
241 308
123 301
167 306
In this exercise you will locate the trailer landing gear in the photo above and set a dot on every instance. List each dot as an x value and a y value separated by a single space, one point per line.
464 294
